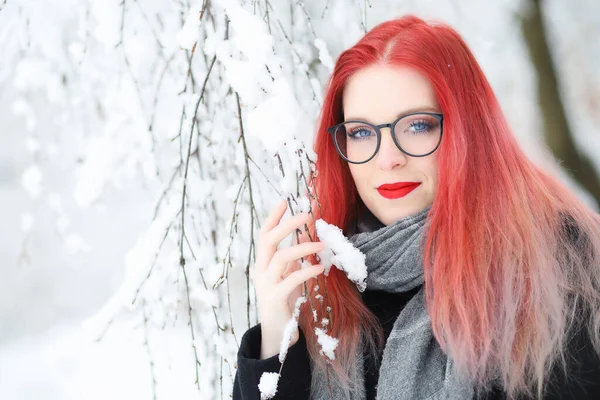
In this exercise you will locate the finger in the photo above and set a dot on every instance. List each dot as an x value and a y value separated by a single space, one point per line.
286 227
291 267
282 257
269 242
272 220
274 216
294 266
298 277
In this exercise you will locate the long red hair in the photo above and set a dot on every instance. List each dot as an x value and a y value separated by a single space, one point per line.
510 251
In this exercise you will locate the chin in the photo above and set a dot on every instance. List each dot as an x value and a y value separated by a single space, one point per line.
389 216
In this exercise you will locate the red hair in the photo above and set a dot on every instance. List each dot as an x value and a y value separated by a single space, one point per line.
504 269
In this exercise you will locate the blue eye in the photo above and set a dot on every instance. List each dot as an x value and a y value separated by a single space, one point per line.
418 127
360 133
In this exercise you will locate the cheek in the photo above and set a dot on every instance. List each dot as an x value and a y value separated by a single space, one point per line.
360 177
428 169
431 167
432 173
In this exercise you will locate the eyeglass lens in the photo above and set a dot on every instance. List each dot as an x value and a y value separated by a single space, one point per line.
416 134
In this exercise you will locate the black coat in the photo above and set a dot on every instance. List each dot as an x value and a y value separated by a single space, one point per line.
294 383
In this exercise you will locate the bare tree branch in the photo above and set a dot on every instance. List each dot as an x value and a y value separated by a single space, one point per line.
149 352
182 237
252 208
310 25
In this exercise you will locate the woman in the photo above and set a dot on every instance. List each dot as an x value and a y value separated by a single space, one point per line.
483 270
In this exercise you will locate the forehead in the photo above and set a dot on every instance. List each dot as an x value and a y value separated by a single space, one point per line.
380 93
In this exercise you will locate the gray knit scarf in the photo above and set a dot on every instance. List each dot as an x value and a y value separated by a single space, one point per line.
413 364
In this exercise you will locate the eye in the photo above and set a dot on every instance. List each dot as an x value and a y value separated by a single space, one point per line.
420 126
359 132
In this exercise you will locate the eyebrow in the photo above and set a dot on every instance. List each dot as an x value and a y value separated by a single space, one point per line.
405 112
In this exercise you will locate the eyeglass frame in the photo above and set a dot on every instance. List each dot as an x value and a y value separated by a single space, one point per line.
392 126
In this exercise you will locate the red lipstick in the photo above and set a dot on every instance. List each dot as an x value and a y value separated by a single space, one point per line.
397 190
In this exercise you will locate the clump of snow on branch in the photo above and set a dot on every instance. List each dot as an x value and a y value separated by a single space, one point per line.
340 252
274 115
328 344
304 204
246 53
289 329
324 54
188 35
32 181
268 385
275 119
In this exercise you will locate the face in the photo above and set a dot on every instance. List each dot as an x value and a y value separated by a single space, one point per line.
380 94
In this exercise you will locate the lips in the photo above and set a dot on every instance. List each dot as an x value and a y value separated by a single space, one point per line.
397 190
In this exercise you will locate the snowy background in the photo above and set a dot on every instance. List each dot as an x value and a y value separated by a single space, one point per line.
135 134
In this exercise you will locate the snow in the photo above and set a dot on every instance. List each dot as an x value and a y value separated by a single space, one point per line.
324 56
327 343
290 329
273 121
304 204
32 180
27 221
188 35
268 385
340 252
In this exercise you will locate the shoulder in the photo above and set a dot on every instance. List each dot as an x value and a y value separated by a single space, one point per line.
582 378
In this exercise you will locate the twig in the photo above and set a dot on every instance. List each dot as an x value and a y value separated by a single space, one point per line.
164 193
304 65
280 164
310 25
147 347
187 291
227 259
252 208
138 90
297 232
155 100
325 9
303 176
154 34
265 176
137 292
294 51
182 239
191 55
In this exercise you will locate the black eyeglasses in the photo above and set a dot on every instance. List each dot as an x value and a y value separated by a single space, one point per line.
417 134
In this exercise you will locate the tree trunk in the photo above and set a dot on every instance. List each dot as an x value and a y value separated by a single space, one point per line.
557 134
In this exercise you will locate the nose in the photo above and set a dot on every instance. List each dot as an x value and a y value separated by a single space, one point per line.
389 155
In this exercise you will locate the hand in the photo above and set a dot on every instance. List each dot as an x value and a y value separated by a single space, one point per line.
278 276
